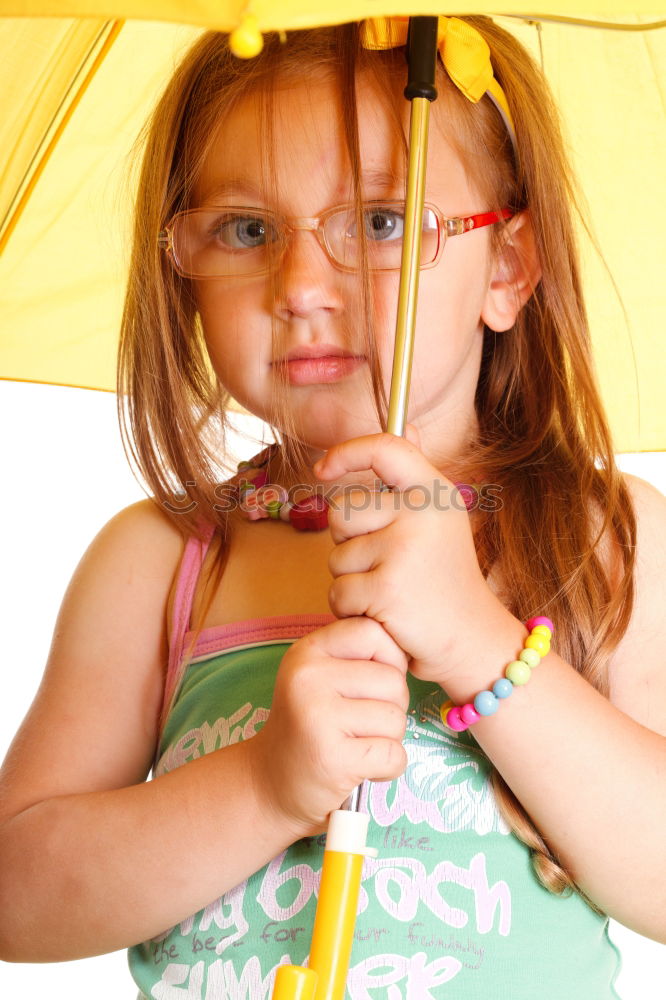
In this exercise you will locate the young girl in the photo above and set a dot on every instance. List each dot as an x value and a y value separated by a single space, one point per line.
265 671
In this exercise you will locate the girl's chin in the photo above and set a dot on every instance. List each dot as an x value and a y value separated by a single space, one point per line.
322 434
319 418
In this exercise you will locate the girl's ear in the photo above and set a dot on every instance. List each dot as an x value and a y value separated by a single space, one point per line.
514 275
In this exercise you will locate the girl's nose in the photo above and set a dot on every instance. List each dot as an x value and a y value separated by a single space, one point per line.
307 281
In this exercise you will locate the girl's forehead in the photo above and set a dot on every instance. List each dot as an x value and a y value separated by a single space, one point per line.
303 155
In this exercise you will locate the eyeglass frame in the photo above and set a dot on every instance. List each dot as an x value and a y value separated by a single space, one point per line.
447 226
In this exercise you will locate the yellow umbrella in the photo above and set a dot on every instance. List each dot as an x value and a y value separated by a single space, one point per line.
77 86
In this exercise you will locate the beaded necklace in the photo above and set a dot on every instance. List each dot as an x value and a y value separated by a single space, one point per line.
258 499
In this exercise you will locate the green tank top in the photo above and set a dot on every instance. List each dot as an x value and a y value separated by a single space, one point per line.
450 908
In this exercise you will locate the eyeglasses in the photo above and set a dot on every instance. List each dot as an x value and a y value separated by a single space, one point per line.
236 241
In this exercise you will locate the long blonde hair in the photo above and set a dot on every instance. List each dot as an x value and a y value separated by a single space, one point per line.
564 538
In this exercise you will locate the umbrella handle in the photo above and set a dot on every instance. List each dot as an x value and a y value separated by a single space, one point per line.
333 932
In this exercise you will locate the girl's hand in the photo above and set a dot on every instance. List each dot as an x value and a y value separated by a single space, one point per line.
338 716
406 558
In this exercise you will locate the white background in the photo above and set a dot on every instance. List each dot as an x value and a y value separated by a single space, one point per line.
64 476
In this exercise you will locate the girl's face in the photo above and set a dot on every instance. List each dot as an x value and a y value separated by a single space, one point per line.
319 305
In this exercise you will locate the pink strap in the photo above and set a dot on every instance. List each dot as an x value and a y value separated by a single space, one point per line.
188 574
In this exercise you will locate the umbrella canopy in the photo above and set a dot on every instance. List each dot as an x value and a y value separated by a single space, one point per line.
78 85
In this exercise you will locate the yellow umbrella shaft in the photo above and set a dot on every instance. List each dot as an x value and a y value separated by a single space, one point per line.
333 933
293 982
410 265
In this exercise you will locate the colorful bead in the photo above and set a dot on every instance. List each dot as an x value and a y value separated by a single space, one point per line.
502 688
530 657
468 494
251 506
443 708
271 499
540 620
537 642
310 514
271 494
260 478
486 703
444 712
469 714
518 673
454 721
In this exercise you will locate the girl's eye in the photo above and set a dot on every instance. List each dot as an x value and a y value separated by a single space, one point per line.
383 223
243 232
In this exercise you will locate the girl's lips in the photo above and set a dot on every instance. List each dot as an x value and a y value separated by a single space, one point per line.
328 368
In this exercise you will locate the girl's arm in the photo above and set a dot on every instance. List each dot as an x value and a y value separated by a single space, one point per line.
92 858
591 772
605 761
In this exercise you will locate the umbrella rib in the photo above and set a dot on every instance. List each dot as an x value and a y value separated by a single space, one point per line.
69 101
581 22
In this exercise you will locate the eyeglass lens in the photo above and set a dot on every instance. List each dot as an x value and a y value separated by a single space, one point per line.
224 242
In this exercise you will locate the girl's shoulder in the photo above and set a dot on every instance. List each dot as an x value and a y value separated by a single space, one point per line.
136 556
128 569
151 535
636 670
105 670
143 534
643 492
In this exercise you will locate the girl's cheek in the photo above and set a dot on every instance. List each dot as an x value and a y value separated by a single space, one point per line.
385 288
223 314
215 307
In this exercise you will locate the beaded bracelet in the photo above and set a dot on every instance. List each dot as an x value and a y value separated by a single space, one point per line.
518 672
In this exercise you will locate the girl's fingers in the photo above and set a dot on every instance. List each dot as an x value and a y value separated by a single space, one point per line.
358 638
395 460
358 555
381 759
359 512
364 680
353 595
378 719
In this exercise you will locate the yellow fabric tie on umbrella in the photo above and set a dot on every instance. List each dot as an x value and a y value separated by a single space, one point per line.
463 51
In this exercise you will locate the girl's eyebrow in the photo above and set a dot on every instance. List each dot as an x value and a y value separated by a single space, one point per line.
225 188
377 177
